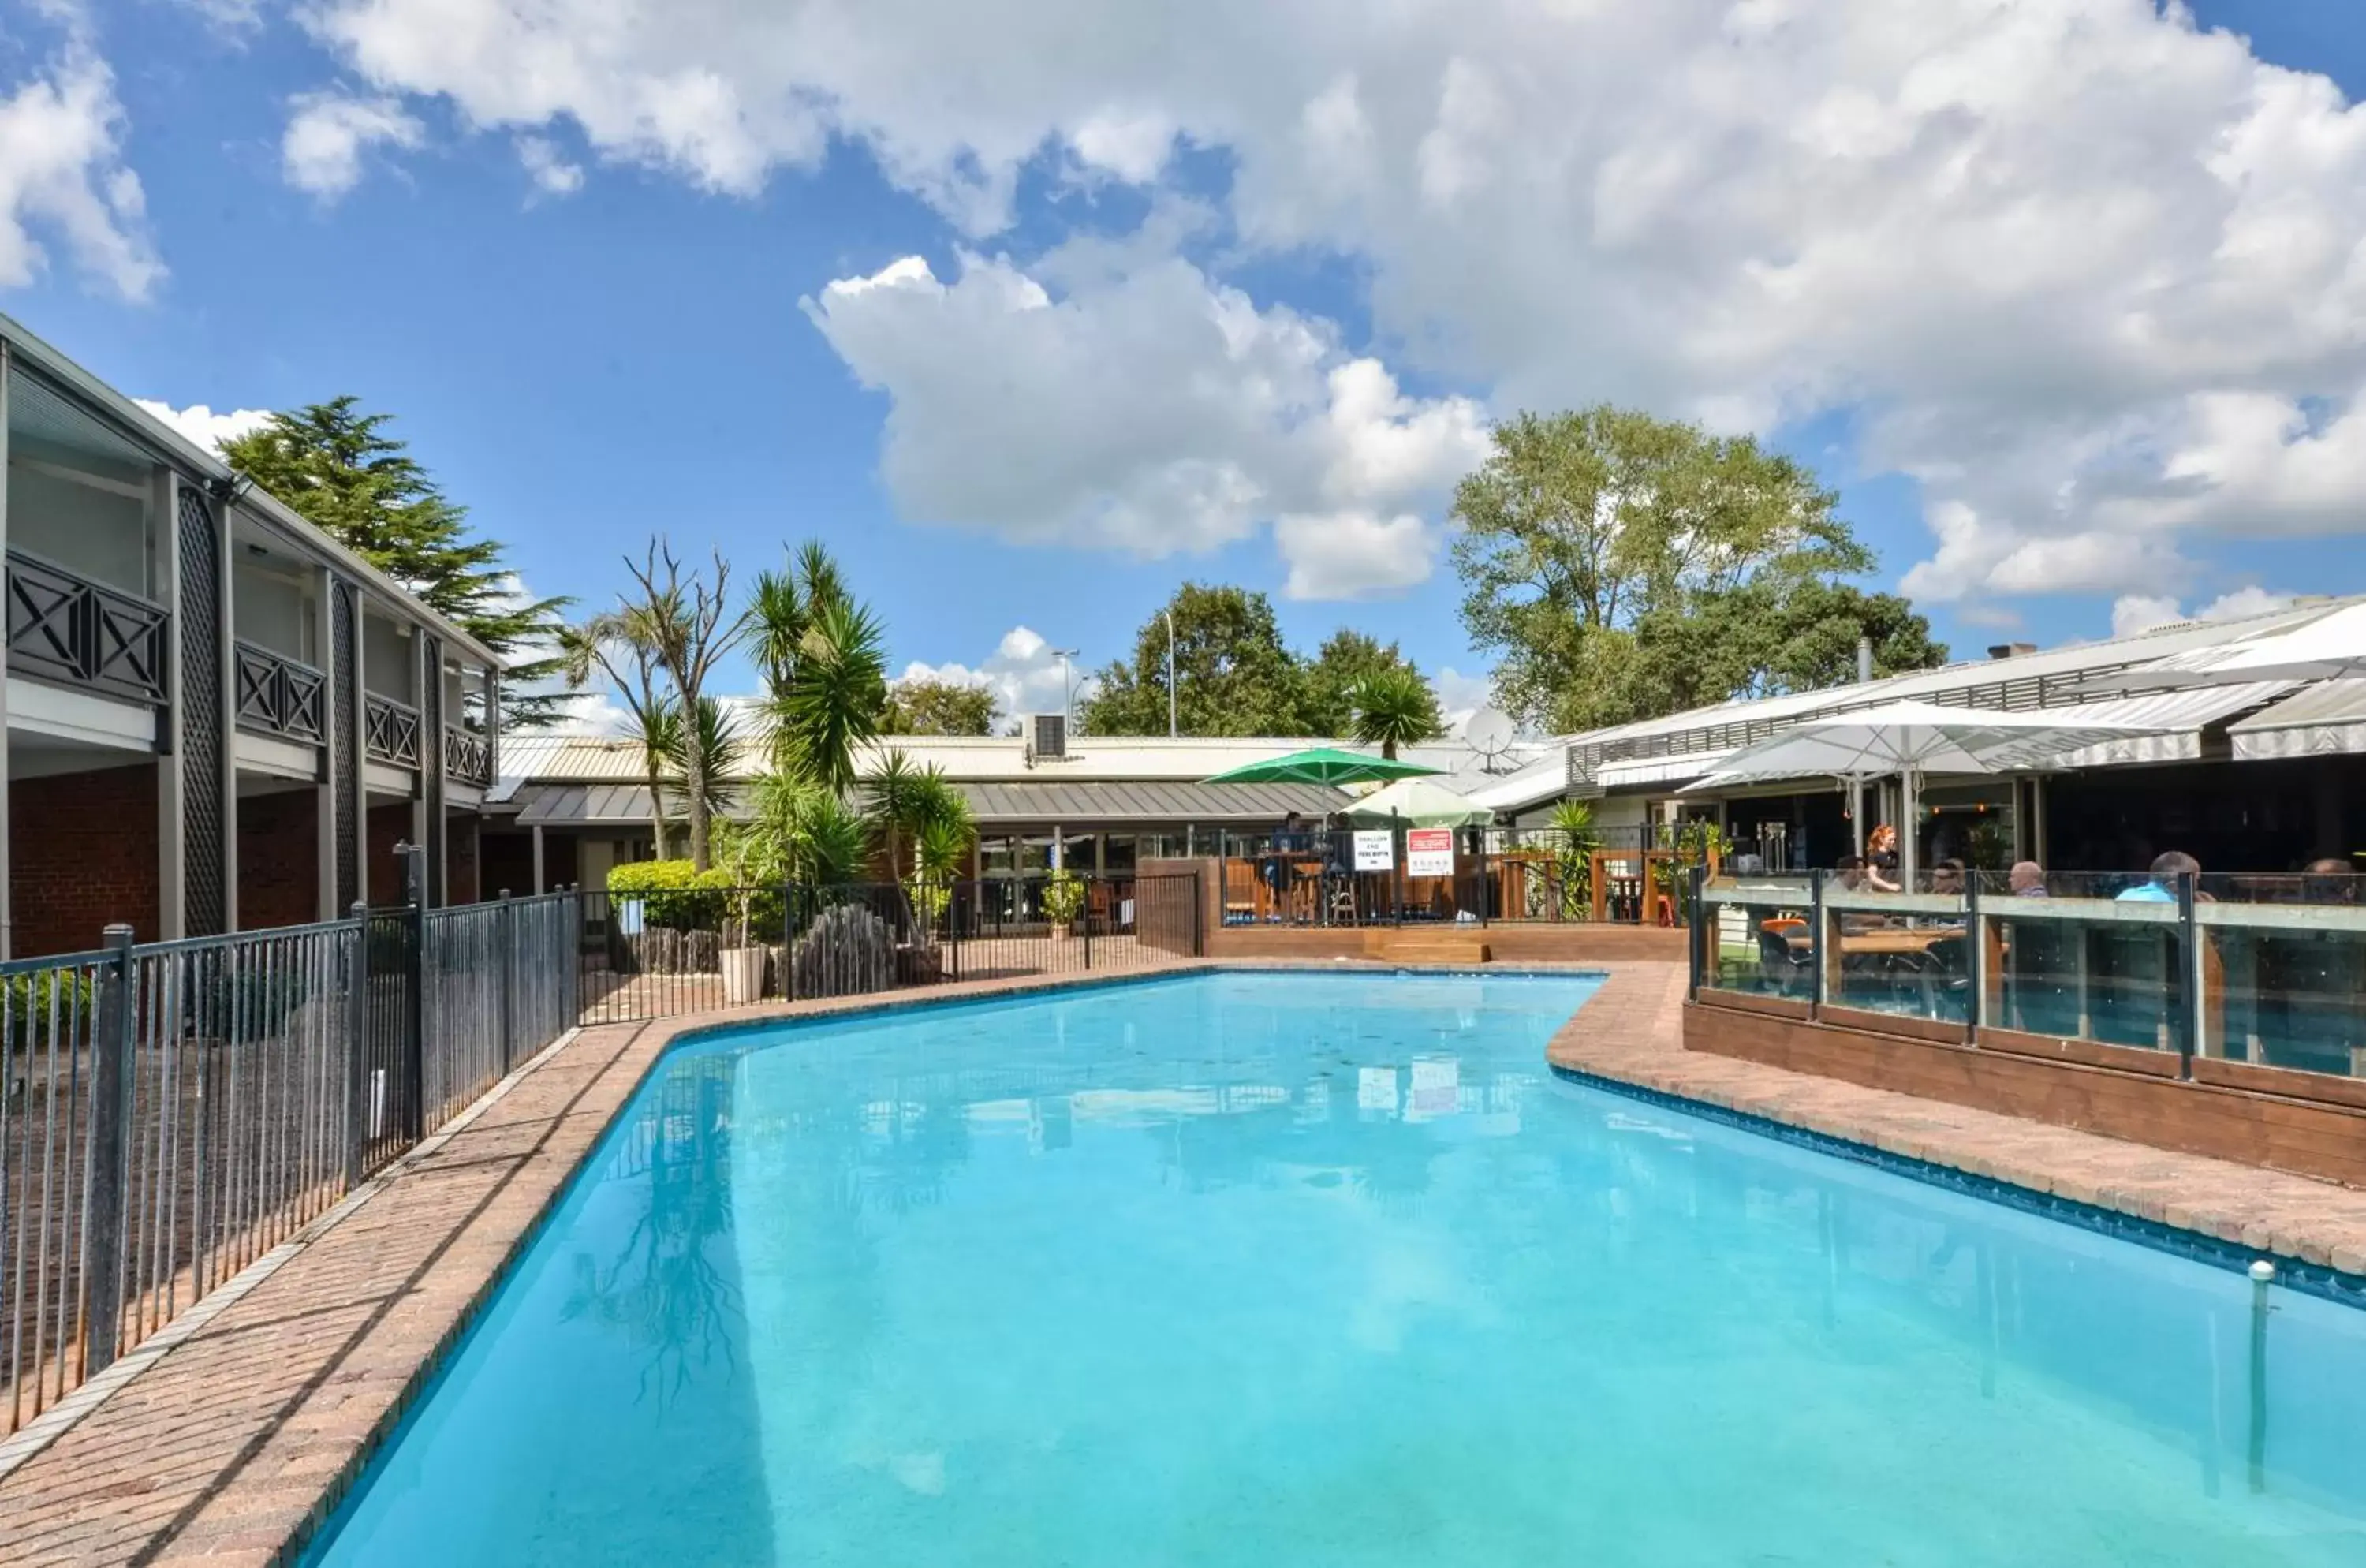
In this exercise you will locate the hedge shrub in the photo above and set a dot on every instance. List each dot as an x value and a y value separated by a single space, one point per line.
678 896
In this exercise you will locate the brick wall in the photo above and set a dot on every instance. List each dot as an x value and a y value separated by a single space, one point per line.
2249 1123
84 853
278 859
464 881
389 826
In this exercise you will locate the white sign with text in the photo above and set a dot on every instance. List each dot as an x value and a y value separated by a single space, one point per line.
1376 850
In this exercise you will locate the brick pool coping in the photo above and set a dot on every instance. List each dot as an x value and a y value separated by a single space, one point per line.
240 1439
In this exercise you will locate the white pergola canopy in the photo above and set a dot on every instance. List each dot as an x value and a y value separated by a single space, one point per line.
2326 649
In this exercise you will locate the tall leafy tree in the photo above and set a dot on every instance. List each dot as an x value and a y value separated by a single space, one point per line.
923 707
339 468
1347 660
831 703
719 747
1233 673
1596 542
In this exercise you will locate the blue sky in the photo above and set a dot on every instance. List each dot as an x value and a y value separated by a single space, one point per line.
582 367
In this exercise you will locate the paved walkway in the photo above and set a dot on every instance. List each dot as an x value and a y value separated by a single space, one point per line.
231 1447
1633 1033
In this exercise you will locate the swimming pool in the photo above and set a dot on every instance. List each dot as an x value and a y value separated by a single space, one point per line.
1318 1268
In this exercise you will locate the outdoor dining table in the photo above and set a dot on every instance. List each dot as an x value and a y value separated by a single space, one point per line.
1886 942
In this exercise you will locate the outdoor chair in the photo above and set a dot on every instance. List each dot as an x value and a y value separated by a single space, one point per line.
1789 972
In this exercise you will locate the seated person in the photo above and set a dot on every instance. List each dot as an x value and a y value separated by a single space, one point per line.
2028 880
2162 888
1947 877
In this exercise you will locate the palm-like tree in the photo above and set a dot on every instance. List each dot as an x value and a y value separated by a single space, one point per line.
892 796
832 701
719 744
689 627
616 645
1394 708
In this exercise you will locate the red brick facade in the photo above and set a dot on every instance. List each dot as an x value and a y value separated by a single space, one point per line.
461 859
278 860
389 825
84 853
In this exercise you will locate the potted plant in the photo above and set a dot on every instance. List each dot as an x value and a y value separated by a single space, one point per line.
1063 901
743 957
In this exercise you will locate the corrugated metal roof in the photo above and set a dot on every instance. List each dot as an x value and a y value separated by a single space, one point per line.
2324 720
588 804
1086 802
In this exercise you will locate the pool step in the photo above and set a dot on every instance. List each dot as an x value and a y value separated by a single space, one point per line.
1428 947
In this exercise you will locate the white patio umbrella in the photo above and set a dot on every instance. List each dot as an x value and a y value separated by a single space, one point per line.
1910 739
2331 647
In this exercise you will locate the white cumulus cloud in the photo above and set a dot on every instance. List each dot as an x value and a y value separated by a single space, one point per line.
205 427
552 172
1152 411
1022 671
2087 271
2132 613
62 179
321 148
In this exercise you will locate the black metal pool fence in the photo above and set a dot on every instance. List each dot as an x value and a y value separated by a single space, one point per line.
171 1112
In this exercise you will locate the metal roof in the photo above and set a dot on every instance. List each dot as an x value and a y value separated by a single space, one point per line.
1115 803
583 806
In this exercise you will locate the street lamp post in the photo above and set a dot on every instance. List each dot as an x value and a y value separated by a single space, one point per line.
1171 730
1068 689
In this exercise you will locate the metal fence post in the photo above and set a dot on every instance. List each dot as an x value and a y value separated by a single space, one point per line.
1975 958
2188 993
414 1031
357 1016
108 1154
1818 939
1698 948
505 924
1091 888
1198 911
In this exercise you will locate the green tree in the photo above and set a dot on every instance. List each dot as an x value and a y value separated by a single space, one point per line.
339 469
719 748
1610 560
922 706
1394 708
1347 659
832 701
1233 675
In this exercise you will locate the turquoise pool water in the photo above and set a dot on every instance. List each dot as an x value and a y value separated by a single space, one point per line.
1328 1269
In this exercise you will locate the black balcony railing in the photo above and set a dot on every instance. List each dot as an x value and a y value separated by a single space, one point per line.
467 756
280 697
64 627
390 731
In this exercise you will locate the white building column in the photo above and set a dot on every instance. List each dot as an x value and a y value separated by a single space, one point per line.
538 884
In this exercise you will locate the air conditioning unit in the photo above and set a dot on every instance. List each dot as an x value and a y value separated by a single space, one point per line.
1047 737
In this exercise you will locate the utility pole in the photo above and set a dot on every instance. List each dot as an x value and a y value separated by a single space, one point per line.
1171 730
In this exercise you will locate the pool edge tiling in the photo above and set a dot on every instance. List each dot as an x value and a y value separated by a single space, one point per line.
238 1445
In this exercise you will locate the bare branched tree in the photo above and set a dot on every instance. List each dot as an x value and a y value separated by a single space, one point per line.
690 627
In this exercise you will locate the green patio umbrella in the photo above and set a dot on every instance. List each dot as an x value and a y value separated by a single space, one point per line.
1323 765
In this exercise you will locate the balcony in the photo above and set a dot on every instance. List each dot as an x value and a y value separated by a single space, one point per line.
390 732
66 628
280 697
467 756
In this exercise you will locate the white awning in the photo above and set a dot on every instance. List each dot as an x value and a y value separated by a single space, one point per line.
1640 771
2180 717
2324 720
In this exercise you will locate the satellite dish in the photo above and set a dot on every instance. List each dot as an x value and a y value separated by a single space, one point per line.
1490 733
